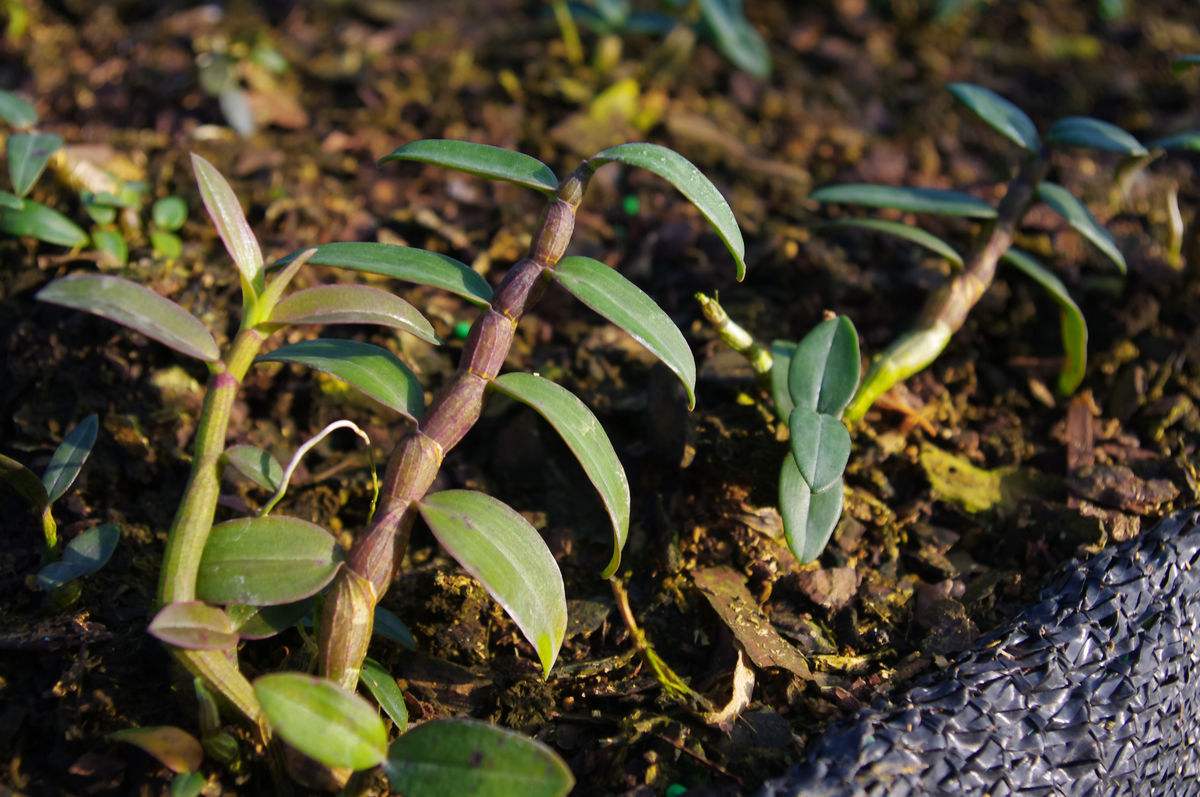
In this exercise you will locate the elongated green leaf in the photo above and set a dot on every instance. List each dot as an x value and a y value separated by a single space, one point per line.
1081 220
353 304
263 622
389 626
69 457
824 368
1074 328
10 201
620 301
1188 141
468 757
256 465
1185 62
322 720
1089 133
188 784
781 362
137 307
17 111
900 230
938 201
499 547
735 37
483 160
35 220
175 748
83 556
266 561
403 263
1000 114
374 370
230 221
387 694
689 181
24 483
808 518
194 625
28 154
820 445
584 435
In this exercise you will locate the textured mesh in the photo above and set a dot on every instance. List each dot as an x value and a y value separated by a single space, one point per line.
1093 690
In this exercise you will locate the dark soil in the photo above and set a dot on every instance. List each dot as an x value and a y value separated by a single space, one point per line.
921 563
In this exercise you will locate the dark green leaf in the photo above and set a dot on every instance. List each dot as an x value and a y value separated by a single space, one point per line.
187 784
1179 142
499 547
781 361
387 694
468 757
938 201
35 220
24 483
266 561
620 301
175 748
352 304
824 370
906 231
132 305
584 435
1000 114
484 160
169 213
262 622
111 244
820 445
230 221
405 264
389 626
735 37
689 181
256 465
374 370
83 556
808 518
1081 220
1074 329
1083 131
69 457
194 625
322 720
28 154
17 111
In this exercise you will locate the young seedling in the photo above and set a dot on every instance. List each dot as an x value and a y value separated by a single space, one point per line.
274 564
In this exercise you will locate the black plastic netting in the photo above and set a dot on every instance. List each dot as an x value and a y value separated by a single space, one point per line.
1093 690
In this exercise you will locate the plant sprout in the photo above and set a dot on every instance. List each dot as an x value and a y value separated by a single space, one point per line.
217 580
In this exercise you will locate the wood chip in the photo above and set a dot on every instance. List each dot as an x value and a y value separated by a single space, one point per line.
726 592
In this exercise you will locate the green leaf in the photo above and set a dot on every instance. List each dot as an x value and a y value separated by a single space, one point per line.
28 154
227 216
403 263
175 748
689 181
1089 133
169 213
1184 63
1074 328
484 160
352 304
256 465
620 301
1000 114
781 362
584 435
900 230
69 457
469 757
389 626
188 784
111 244
824 369
499 547
322 720
35 220
1081 220
24 483
387 694
137 307
166 245
1188 141
735 37
938 201
266 561
97 211
10 201
262 622
808 518
83 556
17 111
821 446
371 369
195 626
